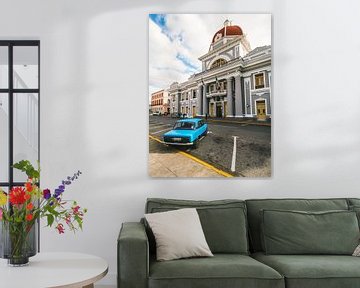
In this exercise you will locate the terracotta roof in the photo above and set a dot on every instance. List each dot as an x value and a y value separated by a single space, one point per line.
230 31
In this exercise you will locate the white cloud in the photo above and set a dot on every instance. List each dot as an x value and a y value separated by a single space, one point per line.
190 35
164 67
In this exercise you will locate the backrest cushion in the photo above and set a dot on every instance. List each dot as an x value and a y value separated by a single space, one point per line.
356 209
353 202
223 221
354 205
298 232
255 206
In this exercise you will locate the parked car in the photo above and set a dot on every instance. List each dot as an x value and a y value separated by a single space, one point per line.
185 115
186 132
156 113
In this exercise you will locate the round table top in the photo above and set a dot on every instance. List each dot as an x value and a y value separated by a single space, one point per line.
58 269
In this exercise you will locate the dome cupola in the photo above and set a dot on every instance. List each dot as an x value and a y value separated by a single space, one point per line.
227 30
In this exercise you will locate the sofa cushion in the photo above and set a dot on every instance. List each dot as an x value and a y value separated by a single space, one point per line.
353 201
313 271
254 216
222 270
178 234
223 221
356 209
297 232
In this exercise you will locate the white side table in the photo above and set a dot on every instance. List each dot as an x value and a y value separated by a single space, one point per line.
50 270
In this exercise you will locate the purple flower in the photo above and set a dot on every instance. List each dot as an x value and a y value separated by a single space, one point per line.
58 192
64 183
46 194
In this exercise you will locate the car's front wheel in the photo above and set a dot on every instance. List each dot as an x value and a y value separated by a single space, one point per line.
196 144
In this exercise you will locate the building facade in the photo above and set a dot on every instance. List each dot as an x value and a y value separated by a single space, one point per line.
235 80
160 102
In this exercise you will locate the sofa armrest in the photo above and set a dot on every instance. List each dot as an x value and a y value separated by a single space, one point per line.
133 256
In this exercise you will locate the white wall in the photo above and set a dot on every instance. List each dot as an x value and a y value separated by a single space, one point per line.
94 60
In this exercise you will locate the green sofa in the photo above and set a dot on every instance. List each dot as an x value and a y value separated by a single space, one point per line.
236 234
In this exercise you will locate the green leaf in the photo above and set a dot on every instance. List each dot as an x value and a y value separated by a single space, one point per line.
79 221
28 168
50 219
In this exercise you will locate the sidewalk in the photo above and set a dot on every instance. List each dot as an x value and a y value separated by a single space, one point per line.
246 121
177 165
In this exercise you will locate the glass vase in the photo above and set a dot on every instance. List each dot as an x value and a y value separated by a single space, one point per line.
18 242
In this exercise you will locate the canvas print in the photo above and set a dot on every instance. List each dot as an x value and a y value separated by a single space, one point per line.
210 95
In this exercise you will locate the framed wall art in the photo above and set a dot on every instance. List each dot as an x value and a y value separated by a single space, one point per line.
210 96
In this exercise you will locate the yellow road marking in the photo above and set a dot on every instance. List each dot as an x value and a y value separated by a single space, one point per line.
156 139
222 173
211 167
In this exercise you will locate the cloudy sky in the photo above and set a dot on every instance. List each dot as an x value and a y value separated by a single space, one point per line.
176 41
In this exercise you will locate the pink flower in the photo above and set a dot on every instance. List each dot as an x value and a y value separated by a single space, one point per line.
60 228
68 219
1 212
76 209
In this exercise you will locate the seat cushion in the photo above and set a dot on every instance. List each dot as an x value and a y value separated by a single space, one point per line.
255 206
315 271
223 221
222 270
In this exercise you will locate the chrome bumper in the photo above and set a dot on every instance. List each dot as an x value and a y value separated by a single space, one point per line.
178 144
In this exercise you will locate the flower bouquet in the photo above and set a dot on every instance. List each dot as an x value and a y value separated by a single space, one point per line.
21 208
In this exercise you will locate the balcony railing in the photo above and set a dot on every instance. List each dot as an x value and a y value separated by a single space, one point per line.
222 92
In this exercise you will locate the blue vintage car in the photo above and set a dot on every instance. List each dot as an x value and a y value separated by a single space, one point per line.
186 132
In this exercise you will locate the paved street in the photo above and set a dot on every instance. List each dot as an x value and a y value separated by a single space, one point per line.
249 155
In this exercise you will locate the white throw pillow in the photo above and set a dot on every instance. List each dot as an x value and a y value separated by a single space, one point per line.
357 251
178 234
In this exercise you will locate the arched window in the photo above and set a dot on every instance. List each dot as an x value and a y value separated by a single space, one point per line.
218 63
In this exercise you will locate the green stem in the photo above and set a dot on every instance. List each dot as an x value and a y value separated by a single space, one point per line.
18 237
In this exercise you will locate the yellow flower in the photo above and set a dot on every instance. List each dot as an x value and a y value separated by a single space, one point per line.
3 198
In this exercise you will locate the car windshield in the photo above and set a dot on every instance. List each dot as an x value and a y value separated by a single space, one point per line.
184 126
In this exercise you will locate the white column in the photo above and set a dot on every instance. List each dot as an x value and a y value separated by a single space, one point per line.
205 103
238 97
230 112
199 100
178 97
